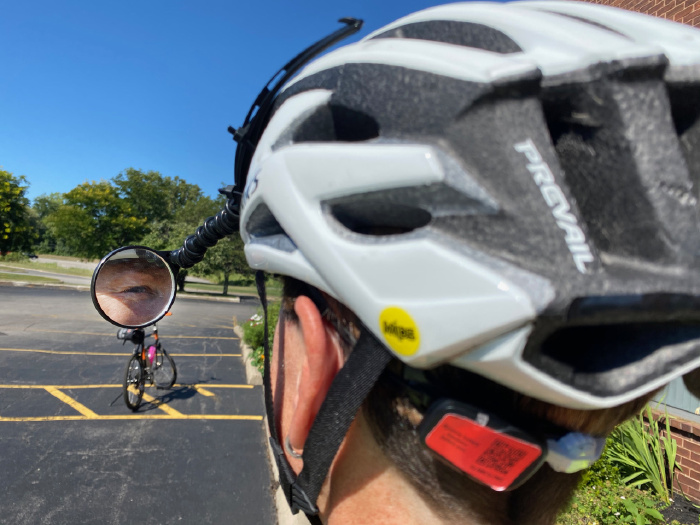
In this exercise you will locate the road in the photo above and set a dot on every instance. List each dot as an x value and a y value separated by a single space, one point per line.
70 450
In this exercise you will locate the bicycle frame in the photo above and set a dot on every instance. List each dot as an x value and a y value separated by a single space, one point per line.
157 369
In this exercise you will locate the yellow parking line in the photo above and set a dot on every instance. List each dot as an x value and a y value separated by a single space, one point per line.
73 387
204 355
58 352
202 337
110 354
158 403
133 416
71 402
59 387
70 332
87 414
112 334
205 392
224 386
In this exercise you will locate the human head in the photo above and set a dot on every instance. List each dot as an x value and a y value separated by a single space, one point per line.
302 368
473 183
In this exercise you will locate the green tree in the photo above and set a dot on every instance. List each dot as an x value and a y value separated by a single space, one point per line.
153 196
17 231
93 220
227 257
44 205
224 259
169 234
221 261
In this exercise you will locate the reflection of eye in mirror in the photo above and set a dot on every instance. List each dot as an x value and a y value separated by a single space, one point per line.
133 287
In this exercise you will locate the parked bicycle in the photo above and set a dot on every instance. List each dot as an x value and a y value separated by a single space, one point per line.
152 365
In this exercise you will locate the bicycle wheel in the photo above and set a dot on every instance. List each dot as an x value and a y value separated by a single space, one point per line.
164 371
133 383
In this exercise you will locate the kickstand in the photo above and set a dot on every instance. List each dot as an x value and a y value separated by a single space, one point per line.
115 399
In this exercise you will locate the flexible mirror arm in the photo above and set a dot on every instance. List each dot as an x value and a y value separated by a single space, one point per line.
208 234
247 136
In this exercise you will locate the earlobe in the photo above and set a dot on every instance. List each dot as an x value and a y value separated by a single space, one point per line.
322 359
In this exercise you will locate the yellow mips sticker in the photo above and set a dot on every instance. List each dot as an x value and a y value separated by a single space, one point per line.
400 331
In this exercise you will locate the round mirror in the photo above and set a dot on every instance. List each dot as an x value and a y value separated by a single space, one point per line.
133 287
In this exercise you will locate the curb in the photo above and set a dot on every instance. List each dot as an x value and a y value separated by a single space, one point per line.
227 299
83 288
253 376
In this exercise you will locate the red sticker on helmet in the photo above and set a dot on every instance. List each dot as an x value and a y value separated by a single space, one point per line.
494 458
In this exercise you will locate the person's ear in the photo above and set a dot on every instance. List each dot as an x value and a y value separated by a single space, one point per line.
322 359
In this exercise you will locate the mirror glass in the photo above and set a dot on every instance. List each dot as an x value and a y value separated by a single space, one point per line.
133 286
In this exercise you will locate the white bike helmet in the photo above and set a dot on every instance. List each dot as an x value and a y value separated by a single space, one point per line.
483 183
508 188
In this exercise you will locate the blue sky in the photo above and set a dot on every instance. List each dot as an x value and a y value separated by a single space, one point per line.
90 88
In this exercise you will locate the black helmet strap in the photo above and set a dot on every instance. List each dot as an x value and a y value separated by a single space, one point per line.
349 389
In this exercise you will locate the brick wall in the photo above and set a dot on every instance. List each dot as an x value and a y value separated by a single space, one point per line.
687 436
685 11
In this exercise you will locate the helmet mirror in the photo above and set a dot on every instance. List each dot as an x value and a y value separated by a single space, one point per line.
133 286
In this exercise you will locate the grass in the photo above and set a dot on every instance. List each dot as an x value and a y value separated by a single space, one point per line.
273 287
66 258
14 270
204 287
26 278
49 267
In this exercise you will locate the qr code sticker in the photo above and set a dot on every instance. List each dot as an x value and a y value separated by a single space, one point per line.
500 456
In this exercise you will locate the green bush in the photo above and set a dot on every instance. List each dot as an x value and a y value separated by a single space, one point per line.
645 458
13 257
603 499
254 333
632 479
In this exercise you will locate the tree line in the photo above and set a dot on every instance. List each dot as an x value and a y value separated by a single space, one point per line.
134 207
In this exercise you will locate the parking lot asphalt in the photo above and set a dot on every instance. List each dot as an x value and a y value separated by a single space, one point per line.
72 452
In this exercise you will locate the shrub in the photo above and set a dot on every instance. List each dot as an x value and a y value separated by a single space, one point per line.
254 333
646 458
602 498
13 257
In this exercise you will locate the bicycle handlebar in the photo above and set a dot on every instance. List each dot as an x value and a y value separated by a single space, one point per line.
129 334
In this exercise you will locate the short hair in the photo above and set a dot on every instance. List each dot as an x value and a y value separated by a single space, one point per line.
393 420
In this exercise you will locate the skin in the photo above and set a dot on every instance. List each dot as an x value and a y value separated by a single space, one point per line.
362 485
132 293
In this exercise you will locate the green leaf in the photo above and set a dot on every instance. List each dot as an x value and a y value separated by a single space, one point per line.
630 506
655 514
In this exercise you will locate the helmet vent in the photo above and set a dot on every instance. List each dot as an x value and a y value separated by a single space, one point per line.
685 110
466 34
401 210
685 106
611 359
336 123
369 218
262 223
366 219
598 129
